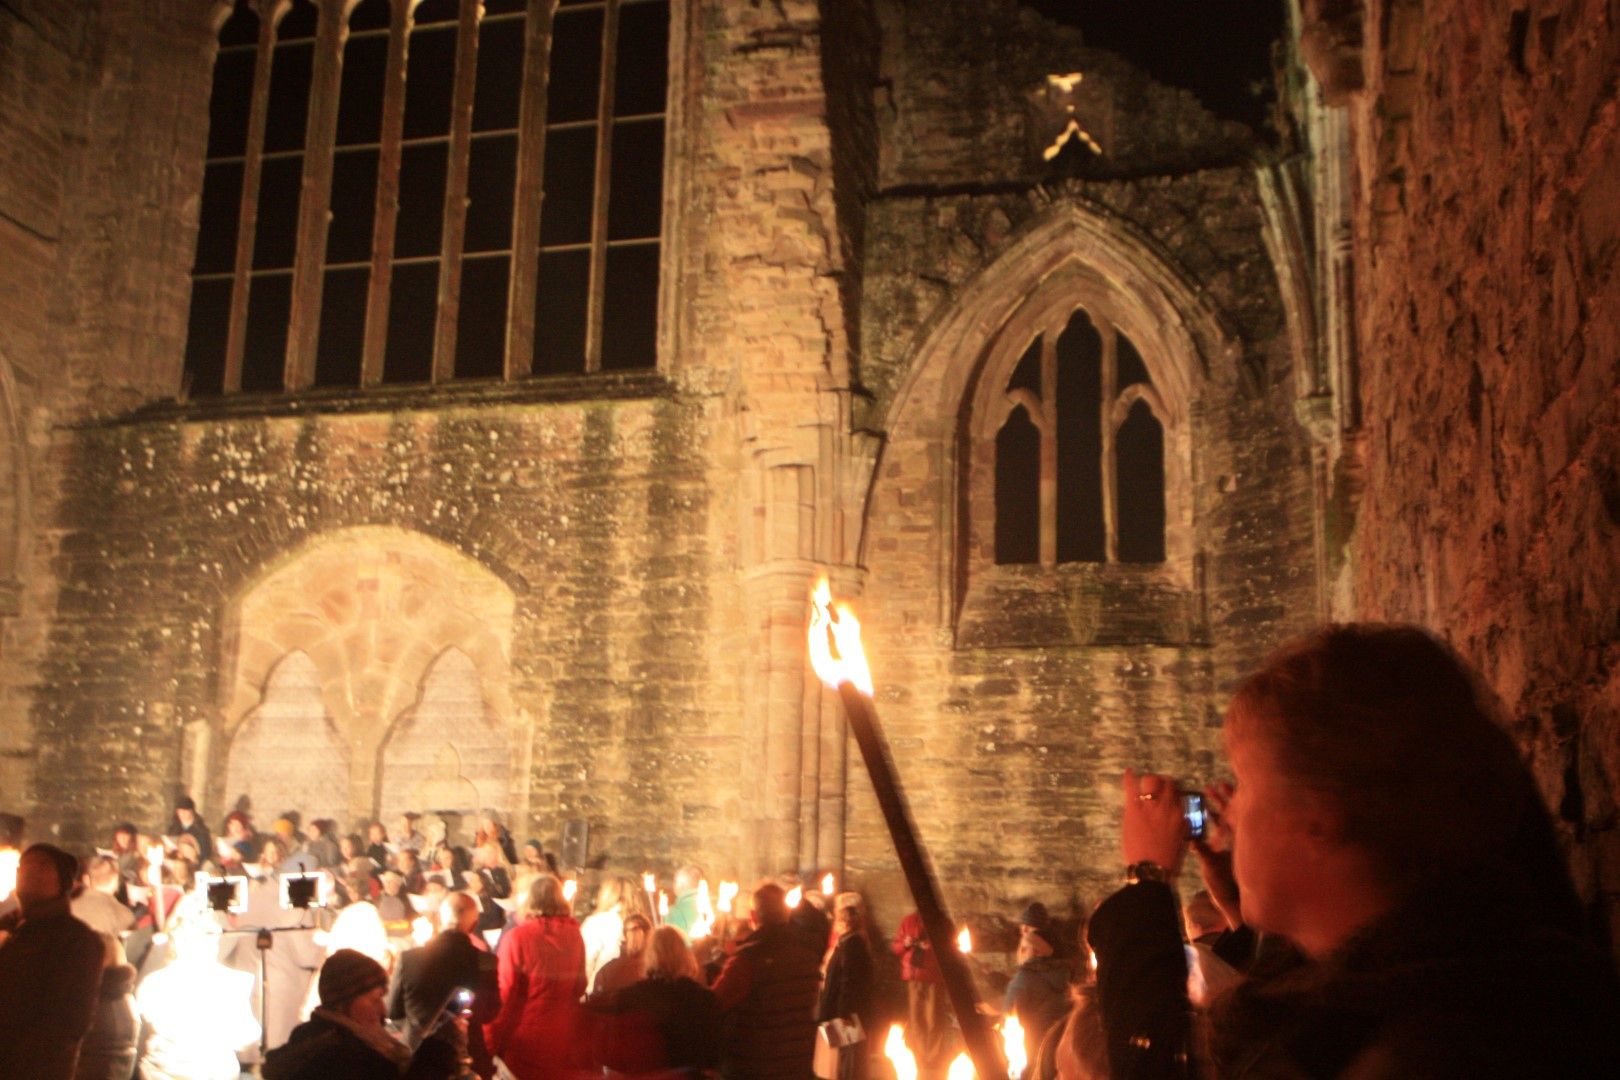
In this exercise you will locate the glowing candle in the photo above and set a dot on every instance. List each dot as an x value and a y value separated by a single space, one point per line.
795 896
961 1068
964 941
899 1054
570 889
828 883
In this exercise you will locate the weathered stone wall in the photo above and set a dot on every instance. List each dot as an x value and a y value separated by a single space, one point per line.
957 79
101 136
591 511
1013 706
658 532
1487 226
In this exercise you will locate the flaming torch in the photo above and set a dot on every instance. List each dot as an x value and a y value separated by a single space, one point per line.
570 890
704 925
795 896
9 858
899 1054
649 882
828 884
964 941
154 874
840 662
728 894
961 1069
1012 1044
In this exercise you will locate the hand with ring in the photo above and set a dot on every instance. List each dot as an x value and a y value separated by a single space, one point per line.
1155 829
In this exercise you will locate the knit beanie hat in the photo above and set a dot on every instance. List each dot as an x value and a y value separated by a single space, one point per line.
346 975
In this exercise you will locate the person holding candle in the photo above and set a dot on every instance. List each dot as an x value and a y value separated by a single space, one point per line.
683 913
1383 823
928 1026
626 968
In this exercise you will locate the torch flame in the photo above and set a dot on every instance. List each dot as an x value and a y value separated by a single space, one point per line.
728 892
649 881
705 905
828 882
8 871
1012 1044
663 905
899 1054
570 889
961 1068
835 642
421 930
795 895
964 941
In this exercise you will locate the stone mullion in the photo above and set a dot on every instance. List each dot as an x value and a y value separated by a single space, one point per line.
454 232
528 191
1110 376
387 213
1047 423
599 210
314 211
248 220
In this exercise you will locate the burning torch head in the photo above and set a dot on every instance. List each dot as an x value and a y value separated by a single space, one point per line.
835 642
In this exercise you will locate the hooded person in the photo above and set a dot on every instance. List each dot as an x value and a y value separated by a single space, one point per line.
345 1035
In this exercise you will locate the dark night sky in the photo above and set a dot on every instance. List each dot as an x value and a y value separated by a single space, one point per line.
1218 49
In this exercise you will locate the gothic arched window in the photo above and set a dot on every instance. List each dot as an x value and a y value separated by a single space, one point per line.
408 191
1079 451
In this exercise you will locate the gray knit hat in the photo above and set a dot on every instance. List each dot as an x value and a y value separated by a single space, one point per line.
346 975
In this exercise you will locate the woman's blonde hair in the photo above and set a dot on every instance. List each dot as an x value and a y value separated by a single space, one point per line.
668 956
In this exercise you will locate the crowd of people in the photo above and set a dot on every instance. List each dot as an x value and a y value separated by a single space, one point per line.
1384 896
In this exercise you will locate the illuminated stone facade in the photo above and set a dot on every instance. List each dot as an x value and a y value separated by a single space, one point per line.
583 598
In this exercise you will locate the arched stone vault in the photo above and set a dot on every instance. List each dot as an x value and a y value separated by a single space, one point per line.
373 608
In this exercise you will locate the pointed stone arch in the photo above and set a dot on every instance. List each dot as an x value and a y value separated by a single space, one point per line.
373 608
287 753
1074 254
1072 244
448 751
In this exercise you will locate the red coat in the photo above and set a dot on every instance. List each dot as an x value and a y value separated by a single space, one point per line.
909 934
542 975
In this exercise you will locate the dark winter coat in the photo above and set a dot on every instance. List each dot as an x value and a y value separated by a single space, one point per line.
428 977
1039 994
1451 984
108 1051
50 981
664 1023
322 1050
847 990
768 990
1459 981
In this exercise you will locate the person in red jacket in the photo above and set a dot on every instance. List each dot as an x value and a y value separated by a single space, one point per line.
542 975
928 1013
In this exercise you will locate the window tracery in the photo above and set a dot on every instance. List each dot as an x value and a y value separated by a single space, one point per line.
409 191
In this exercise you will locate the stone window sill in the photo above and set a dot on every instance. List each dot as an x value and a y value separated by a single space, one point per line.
1080 604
